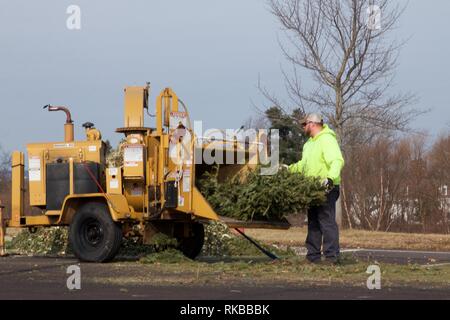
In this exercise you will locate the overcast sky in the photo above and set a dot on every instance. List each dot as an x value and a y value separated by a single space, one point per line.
210 52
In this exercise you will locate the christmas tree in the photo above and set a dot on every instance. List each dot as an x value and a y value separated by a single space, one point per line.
261 197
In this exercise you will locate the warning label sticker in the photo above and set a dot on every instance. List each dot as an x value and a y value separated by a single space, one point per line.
114 184
187 181
113 171
34 169
63 145
133 155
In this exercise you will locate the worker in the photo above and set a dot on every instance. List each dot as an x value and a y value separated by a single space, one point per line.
321 158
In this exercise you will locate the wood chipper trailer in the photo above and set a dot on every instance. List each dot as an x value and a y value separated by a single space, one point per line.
153 191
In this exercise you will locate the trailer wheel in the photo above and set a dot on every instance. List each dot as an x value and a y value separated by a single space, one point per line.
93 235
192 246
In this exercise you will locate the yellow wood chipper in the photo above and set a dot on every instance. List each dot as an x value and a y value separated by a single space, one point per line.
152 191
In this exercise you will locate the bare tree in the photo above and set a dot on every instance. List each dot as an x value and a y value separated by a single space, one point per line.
399 184
375 183
440 173
346 48
388 187
350 58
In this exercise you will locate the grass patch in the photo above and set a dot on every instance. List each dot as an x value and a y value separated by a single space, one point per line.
359 239
166 256
290 271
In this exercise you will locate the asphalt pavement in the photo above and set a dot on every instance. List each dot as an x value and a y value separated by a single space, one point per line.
23 277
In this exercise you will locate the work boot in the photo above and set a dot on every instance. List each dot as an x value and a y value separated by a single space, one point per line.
320 262
316 261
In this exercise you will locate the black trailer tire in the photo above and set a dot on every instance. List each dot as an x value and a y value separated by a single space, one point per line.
192 246
93 235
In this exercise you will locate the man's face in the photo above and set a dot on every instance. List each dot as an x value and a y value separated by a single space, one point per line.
307 128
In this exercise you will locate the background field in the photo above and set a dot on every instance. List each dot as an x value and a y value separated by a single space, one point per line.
357 239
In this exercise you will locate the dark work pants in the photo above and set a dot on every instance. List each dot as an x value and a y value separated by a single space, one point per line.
322 227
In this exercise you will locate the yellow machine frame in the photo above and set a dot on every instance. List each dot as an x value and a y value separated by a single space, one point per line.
148 188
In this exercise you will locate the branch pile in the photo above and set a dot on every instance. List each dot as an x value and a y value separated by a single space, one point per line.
259 197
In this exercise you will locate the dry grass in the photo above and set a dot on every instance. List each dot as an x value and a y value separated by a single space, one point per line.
292 271
359 239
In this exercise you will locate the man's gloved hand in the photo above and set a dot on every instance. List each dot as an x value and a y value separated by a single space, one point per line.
328 184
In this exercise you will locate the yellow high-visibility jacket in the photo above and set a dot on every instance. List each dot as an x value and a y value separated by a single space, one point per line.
322 157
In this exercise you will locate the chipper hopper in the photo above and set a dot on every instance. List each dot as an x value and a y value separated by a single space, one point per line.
153 190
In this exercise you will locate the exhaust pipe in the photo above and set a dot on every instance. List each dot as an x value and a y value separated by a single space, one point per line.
68 126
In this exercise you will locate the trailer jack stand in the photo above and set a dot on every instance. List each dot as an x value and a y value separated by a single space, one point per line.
2 233
266 252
